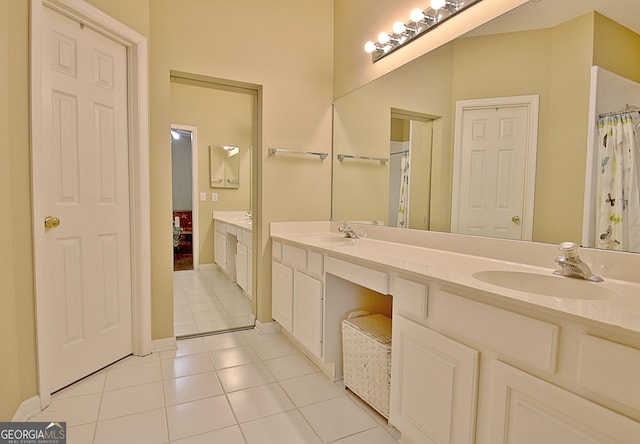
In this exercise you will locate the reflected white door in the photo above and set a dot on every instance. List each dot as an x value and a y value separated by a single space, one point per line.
493 172
83 265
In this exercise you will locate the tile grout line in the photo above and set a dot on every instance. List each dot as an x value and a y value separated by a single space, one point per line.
226 397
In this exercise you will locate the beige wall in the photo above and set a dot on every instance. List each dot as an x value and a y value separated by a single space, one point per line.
538 62
222 118
263 43
362 126
357 21
13 334
616 48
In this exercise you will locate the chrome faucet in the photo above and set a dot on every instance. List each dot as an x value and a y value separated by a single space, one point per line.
348 231
572 266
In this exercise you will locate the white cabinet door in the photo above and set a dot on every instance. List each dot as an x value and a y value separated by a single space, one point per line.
433 385
220 250
307 312
282 295
528 410
241 266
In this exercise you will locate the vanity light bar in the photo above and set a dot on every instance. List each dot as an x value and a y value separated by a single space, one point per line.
420 21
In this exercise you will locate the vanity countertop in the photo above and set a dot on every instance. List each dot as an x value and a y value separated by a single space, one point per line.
620 307
237 218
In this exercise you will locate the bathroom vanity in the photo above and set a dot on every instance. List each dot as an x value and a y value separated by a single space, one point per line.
232 246
488 345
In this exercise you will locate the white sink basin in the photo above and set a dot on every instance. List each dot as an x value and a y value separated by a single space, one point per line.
551 285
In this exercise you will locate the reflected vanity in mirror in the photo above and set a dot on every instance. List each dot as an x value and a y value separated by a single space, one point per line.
540 49
224 166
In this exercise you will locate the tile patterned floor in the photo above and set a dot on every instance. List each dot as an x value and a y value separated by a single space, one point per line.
231 388
206 301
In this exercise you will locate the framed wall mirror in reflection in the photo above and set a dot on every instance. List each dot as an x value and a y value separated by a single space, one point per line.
224 166
547 50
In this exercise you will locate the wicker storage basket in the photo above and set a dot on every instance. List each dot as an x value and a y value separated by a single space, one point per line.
366 349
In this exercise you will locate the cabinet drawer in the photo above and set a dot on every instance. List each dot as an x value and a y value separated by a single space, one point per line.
524 339
366 277
245 237
220 227
231 229
410 298
276 249
294 256
314 264
595 371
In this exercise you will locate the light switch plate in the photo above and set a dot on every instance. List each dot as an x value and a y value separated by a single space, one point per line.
203 197
214 197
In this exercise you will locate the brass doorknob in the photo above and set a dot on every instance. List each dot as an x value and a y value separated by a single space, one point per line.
51 222
515 219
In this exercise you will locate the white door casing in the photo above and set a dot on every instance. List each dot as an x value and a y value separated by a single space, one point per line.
494 167
195 200
124 233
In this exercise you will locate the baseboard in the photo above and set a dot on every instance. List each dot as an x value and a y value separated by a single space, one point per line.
206 266
164 344
27 409
267 327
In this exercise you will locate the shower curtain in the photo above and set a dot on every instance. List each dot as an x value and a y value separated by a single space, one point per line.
618 205
403 200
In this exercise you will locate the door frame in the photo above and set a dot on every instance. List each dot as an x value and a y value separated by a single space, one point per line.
195 200
138 109
532 104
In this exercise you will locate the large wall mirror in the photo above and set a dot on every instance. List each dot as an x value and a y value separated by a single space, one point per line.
542 54
224 166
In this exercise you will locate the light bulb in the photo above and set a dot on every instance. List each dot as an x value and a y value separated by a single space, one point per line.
416 15
383 38
370 47
437 4
399 27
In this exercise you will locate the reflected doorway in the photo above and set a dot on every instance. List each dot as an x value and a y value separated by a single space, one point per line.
410 170
182 184
210 298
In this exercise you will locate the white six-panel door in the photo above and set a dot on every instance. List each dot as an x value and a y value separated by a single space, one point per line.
492 172
84 262
494 167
